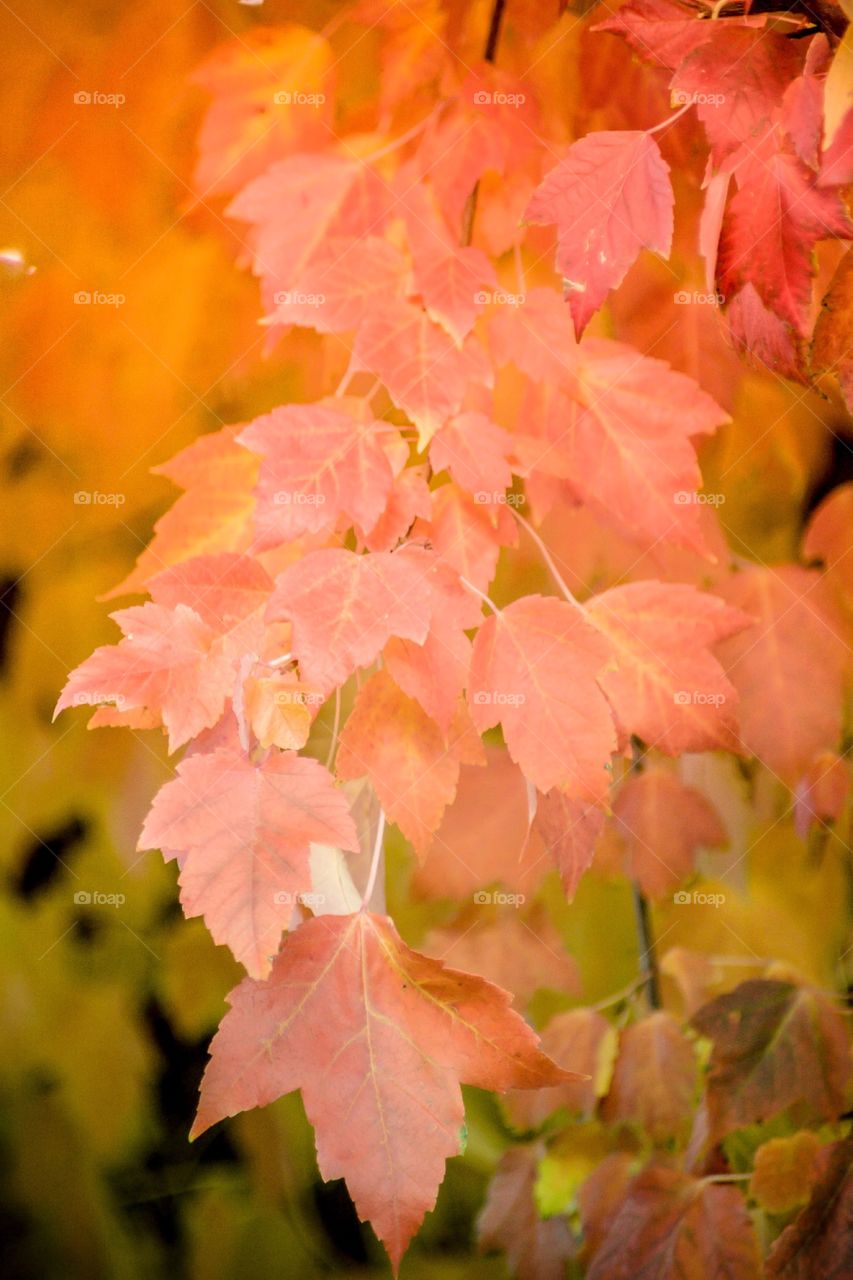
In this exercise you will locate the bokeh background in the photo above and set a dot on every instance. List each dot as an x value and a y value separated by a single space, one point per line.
109 996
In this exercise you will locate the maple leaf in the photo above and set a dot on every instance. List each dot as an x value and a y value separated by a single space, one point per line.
425 372
536 334
483 837
620 433
569 829
660 31
301 203
476 452
433 673
169 664
342 281
468 534
319 461
536 1248
821 793
520 954
378 1038
585 1038
534 670
610 197
770 229
818 1244
774 1044
670 1224
663 823
451 285
788 669
241 832
247 126
666 686
737 78
344 608
655 1079
211 517
412 763
222 589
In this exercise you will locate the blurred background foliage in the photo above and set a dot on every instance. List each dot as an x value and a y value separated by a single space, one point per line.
107 1008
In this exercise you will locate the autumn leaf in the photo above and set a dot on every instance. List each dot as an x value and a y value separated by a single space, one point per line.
665 685
378 1038
344 608
670 1224
585 1038
569 829
610 197
655 1079
774 1044
536 1249
241 833
662 823
785 1171
534 671
818 1244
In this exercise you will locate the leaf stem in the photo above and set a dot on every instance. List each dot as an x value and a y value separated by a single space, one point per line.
549 560
374 861
489 55
642 912
477 592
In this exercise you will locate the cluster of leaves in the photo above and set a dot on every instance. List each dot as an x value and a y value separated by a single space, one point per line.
341 630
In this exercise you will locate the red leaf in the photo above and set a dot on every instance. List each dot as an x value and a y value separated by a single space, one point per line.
818 1245
536 1248
670 1225
422 367
413 765
475 451
667 687
610 197
319 461
569 829
774 1044
655 1080
241 833
170 664
534 671
587 1040
344 608
663 823
222 589
378 1038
